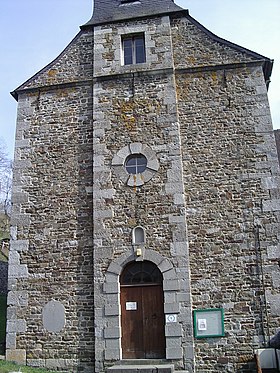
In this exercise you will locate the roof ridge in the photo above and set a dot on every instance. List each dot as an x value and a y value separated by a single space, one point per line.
106 11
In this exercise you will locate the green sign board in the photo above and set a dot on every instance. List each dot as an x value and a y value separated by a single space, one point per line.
209 323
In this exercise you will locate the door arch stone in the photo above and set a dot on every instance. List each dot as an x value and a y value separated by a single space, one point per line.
110 322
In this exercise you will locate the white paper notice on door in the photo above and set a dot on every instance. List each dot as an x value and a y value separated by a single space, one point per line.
131 306
202 324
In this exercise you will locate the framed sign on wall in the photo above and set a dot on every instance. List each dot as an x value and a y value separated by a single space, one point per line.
208 323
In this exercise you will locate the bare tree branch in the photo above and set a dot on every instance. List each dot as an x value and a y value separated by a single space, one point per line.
5 181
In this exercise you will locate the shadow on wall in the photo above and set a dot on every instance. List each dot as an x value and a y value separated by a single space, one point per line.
3 277
251 365
4 253
3 315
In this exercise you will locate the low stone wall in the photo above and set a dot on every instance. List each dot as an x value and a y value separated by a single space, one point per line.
3 277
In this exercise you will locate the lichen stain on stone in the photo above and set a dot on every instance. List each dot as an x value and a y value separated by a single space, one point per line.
32 94
129 111
108 56
134 183
214 76
52 73
65 92
125 111
131 222
191 61
51 76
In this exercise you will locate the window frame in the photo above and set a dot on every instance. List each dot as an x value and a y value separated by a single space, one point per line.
130 56
136 163
135 180
141 271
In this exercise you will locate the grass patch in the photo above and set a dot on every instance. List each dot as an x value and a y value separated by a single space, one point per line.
3 258
3 313
7 367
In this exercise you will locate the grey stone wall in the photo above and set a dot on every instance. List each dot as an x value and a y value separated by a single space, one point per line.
277 139
230 173
51 247
107 41
158 205
210 210
208 51
73 65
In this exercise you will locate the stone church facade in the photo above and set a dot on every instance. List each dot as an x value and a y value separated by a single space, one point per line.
145 217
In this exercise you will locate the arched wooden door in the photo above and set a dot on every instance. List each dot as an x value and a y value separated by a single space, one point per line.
142 315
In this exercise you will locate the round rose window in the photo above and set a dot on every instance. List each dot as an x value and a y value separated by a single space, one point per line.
136 164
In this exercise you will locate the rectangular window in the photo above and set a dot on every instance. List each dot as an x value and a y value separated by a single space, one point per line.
133 49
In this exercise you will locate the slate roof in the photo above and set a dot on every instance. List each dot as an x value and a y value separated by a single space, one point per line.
115 10
107 11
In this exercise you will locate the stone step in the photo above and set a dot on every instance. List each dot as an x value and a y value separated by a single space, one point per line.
141 368
142 362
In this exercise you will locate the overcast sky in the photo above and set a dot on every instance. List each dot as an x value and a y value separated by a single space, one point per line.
34 32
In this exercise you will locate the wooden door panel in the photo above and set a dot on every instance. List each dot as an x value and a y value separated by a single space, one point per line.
142 328
153 316
132 323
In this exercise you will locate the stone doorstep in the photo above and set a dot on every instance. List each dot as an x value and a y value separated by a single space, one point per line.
143 362
141 368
